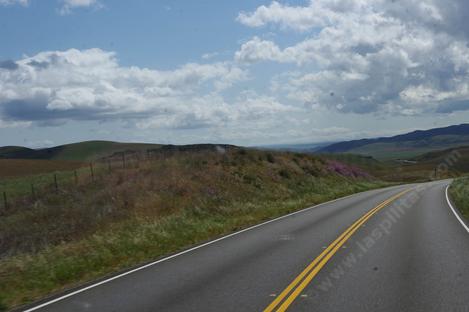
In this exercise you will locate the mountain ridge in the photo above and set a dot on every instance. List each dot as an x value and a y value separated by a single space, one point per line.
407 144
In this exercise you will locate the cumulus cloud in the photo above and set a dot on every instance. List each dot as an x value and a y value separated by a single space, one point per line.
53 87
256 50
398 57
69 5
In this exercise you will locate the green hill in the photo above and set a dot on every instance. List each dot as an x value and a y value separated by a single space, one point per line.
456 159
407 145
82 151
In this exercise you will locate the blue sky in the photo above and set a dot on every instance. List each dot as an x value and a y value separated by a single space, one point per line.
241 72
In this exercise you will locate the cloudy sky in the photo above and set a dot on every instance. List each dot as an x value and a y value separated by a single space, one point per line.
245 72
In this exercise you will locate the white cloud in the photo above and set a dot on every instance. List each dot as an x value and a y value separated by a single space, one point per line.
256 50
209 56
298 18
13 2
69 5
369 56
53 87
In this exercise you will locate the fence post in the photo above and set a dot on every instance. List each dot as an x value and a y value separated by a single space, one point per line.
91 171
5 202
33 191
76 176
55 182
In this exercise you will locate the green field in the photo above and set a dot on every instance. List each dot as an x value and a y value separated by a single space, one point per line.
45 174
22 177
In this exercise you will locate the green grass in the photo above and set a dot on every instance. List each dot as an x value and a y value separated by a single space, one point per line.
85 151
131 216
459 193
22 186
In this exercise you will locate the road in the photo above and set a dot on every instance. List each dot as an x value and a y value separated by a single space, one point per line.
408 254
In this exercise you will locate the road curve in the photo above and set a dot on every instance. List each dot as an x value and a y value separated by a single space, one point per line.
394 249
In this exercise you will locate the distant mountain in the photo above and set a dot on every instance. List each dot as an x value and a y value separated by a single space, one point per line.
303 147
81 151
405 145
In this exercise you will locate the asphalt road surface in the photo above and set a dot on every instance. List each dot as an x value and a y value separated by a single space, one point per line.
395 249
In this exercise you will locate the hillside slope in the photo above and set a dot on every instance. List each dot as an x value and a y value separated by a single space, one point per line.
405 145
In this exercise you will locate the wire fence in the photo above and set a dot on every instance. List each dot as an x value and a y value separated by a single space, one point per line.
34 188
38 186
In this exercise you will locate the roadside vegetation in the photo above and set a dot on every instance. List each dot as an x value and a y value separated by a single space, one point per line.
155 207
459 193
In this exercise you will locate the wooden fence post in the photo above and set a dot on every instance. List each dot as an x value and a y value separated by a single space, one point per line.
55 182
5 202
76 176
33 191
91 171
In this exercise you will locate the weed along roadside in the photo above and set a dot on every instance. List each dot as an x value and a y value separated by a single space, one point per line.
164 202
459 194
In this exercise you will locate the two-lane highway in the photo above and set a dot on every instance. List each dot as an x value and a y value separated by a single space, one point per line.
395 249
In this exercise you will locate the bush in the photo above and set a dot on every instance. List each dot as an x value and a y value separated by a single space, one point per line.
284 174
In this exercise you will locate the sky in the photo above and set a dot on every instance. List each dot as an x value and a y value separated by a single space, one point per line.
246 72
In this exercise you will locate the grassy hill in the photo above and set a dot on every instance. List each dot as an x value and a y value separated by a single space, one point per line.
82 151
448 163
405 146
179 197
457 159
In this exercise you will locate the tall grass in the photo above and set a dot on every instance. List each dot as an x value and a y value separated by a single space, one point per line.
131 216
459 193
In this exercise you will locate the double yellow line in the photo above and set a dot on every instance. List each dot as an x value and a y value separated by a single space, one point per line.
301 281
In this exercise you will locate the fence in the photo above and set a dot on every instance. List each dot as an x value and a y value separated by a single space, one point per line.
37 186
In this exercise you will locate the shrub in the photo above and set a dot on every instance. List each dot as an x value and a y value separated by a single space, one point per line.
284 173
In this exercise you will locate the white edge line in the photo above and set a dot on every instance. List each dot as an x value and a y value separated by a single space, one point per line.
189 250
454 210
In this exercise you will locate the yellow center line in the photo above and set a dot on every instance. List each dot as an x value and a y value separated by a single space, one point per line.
298 279
314 267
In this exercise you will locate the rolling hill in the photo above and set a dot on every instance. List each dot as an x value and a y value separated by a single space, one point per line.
82 151
405 146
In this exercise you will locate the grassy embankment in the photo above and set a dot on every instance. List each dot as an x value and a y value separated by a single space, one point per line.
459 193
134 215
